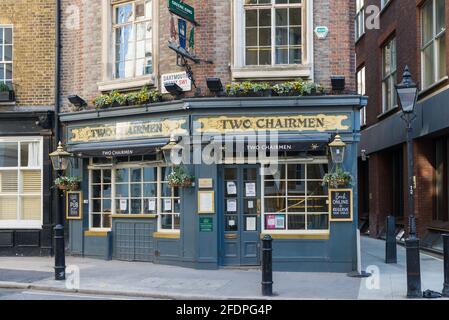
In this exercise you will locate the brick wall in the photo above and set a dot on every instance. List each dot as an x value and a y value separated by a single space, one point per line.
81 54
33 53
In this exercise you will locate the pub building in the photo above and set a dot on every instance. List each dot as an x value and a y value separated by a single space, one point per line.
130 211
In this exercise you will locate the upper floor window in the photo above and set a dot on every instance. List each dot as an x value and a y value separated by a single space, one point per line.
132 34
6 44
274 32
360 19
21 182
433 43
389 78
361 89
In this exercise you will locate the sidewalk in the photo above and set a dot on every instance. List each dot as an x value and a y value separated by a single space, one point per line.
141 279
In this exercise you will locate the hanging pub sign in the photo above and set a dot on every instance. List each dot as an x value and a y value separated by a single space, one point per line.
182 30
74 205
182 10
340 208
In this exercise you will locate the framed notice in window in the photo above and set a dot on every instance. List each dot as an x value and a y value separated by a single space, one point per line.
74 205
340 207
206 202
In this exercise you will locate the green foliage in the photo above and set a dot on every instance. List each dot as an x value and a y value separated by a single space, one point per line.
102 101
117 98
69 183
179 177
289 88
338 178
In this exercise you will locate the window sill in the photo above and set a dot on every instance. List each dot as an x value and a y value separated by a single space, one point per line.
272 73
134 216
125 84
166 235
12 224
310 236
94 233
388 112
424 92
7 103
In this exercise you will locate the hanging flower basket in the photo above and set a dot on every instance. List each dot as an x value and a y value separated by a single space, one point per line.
179 177
337 179
68 183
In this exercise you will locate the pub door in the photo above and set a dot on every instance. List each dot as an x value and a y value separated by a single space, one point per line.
240 218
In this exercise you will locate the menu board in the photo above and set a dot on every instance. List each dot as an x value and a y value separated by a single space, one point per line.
340 208
74 205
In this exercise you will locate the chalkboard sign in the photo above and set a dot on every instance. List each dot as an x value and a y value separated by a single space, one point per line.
74 205
340 207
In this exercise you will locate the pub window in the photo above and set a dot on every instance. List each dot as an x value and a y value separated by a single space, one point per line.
383 3
389 78
294 199
6 45
274 32
132 34
361 89
433 42
441 212
129 188
20 183
359 19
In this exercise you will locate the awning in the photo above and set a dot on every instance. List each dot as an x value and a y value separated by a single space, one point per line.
284 142
117 148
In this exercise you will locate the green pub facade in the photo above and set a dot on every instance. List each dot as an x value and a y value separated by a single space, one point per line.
258 166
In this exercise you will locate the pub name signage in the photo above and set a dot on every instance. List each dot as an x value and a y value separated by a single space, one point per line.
301 122
127 130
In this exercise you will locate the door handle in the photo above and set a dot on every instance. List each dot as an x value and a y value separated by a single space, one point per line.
231 236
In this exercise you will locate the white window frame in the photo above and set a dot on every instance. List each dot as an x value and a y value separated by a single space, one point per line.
300 232
5 62
18 223
361 90
273 71
383 3
389 79
435 41
159 200
359 22
108 81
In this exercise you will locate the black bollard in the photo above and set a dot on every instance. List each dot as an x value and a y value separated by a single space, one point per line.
446 265
267 266
413 269
390 243
59 252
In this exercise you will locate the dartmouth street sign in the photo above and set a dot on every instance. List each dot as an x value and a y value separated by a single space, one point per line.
182 10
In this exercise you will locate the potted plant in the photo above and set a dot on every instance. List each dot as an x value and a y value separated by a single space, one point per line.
103 101
232 89
131 98
143 96
117 99
337 179
311 88
155 96
68 183
261 89
6 94
179 177
284 89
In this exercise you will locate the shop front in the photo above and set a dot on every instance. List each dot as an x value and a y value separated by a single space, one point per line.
254 166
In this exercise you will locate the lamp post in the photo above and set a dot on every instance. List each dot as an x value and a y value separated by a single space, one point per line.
60 161
407 92
169 148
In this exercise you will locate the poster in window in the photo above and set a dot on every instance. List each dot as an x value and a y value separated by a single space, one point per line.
250 189
206 202
231 205
74 205
275 221
231 188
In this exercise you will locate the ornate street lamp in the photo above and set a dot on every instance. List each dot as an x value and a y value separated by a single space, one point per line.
168 148
407 92
60 160
337 148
